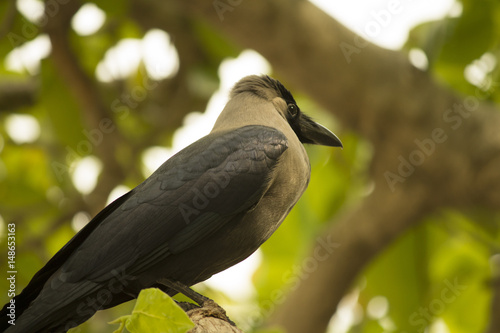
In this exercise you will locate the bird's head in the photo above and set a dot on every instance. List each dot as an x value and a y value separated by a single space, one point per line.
307 130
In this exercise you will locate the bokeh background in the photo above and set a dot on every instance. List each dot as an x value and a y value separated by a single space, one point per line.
397 232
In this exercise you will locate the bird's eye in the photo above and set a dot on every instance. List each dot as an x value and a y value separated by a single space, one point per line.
293 109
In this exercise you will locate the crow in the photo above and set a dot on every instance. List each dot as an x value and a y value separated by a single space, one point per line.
205 209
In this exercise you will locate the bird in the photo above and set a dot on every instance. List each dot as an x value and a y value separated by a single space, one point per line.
208 207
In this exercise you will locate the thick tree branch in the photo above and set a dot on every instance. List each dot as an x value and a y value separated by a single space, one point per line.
207 321
400 103
360 236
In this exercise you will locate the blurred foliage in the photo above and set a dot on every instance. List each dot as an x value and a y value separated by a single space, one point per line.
454 43
436 271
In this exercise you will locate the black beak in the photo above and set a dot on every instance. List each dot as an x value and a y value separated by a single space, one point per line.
314 133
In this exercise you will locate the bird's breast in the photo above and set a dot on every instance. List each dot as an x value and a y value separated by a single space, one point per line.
290 180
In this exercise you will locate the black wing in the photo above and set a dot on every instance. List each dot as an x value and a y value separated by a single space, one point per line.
187 199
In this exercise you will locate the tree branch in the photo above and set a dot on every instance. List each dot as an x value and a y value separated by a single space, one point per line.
207 321
16 95
360 235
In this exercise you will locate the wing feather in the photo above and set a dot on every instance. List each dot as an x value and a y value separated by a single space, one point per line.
190 197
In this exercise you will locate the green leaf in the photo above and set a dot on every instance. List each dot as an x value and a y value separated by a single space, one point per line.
155 312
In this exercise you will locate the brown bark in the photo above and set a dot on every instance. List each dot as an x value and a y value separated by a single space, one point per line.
210 320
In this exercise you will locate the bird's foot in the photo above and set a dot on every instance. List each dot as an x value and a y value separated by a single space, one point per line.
207 307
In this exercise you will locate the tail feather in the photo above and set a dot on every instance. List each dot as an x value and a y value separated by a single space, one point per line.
57 310
68 305
27 297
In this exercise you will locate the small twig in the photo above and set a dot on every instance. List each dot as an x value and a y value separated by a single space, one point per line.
15 95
